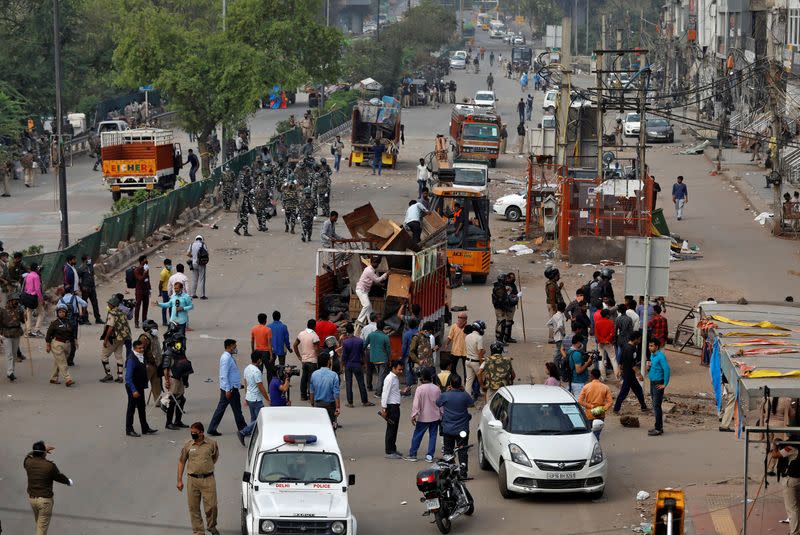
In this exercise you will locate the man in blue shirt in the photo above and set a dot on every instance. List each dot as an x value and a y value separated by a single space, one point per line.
179 305
659 379
324 388
408 334
455 418
280 339
230 380
680 196
578 365
278 386
353 361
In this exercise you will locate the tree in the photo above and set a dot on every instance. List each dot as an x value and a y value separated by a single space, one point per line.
206 77
12 121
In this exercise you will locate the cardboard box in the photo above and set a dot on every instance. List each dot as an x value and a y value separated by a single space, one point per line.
382 231
399 284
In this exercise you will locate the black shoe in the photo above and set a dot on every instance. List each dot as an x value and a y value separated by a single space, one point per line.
236 231
11 377
98 321
194 297
107 379
655 432
247 233
204 298
150 431
303 237
70 363
172 427
214 433
119 380
514 341
240 436
181 425
133 433
286 229
725 430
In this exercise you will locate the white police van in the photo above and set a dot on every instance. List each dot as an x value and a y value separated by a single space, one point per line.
294 479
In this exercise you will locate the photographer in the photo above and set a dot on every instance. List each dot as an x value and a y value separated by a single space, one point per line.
279 385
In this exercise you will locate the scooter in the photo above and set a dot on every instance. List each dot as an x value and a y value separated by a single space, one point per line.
443 491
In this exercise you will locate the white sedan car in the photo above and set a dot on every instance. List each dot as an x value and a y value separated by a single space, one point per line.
538 440
485 99
458 60
631 125
512 206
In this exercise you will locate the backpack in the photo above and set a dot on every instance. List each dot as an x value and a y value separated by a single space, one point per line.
130 278
564 367
420 351
202 255
70 310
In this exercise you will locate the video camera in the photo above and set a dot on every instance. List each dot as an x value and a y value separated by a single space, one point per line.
286 371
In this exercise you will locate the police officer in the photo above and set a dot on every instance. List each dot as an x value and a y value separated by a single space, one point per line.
552 290
496 371
41 475
246 206
198 457
308 208
324 187
228 187
291 203
262 202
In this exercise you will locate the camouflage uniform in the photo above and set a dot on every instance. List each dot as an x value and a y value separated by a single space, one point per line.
246 207
228 188
323 187
290 203
262 203
497 372
308 208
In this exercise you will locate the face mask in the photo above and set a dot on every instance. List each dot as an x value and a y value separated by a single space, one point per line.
234 351
146 266
195 436
154 332
89 261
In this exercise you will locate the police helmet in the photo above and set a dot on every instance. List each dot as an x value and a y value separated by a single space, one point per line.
330 342
479 326
149 325
61 306
497 348
606 272
551 272
323 161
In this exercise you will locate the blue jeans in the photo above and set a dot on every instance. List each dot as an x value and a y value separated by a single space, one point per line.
164 299
193 173
377 163
658 397
419 431
420 186
337 159
411 379
236 407
254 407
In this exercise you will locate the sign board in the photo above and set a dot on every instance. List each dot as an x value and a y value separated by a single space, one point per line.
635 262
519 19
552 37
118 168
144 88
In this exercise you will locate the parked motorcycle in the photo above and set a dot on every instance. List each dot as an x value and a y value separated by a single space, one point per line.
443 491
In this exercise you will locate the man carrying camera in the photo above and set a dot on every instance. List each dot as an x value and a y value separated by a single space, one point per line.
279 386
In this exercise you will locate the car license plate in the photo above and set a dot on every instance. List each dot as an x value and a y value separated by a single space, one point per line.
561 475
432 504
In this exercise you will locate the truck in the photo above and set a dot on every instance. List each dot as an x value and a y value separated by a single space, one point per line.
472 176
475 134
469 246
141 158
415 277
375 120
521 57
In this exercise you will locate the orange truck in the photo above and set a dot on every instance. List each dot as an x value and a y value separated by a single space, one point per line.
142 158
475 134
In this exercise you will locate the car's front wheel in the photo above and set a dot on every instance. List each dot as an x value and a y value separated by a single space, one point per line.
513 213
502 482
482 460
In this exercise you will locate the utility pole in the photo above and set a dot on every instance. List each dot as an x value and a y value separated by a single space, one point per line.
62 164
603 64
575 21
777 104
223 140
599 72
587 27
562 118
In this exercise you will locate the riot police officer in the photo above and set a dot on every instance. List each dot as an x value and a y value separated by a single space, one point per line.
308 209
228 187
324 187
246 206
291 202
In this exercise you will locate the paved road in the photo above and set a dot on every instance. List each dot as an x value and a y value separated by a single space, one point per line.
127 485
31 215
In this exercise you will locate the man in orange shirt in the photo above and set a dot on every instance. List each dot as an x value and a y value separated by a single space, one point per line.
595 398
261 341
457 344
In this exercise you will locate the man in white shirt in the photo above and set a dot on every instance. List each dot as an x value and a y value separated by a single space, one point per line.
368 277
199 282
475 353
178 276
390 408
423 175
256 395
413 221
631 313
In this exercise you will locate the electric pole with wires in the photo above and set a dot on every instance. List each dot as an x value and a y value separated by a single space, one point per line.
776 88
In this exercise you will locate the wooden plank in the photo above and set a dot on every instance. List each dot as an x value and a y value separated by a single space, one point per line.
360 219
399 284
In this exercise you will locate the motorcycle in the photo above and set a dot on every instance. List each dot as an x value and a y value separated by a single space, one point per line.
443 490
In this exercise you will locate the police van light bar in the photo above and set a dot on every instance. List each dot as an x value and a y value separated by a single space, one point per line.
300 439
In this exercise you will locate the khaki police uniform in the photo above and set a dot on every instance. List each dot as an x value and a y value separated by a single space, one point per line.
199 460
